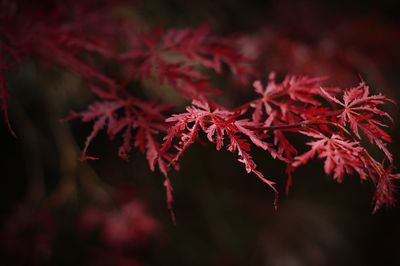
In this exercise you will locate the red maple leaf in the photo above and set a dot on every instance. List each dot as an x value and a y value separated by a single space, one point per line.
341 156
174 57
216 124
385 189
124 115
180 58
362 112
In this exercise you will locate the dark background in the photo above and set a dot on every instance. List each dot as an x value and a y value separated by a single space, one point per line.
224 216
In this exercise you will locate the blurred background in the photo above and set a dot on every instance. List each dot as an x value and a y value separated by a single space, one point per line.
56 210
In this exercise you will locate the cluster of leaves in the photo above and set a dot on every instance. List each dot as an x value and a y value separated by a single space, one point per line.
298 105
64 37
180 58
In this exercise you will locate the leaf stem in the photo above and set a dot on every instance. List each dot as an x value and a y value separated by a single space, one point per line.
303 124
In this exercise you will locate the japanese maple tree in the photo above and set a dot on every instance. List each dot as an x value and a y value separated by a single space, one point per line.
340 126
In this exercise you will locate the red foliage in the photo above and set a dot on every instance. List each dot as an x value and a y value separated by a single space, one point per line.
297 105
180 58
174 57
217 124
125 114
360 110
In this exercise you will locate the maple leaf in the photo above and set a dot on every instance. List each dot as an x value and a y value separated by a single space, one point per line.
174 57
341 156
287 98
361 111
143 117
148 61
179 58
216 124
385 189
199 46
295 99
125 115
344 156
